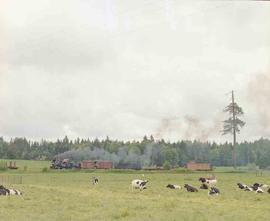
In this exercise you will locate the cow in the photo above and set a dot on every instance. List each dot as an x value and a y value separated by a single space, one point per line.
94 180
256 187
213 191
268 190
210 180
242 186
138 184
3 191
204 186
172 186
190 188
260 185
6 192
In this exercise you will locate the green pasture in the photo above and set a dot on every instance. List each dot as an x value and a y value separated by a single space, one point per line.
69 195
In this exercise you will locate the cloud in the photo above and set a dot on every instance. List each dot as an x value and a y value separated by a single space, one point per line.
100 68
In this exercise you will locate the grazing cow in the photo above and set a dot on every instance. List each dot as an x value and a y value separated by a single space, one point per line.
190 188
268 190
210 180
213 191
204 186
94 180
172 186
139 184
6 192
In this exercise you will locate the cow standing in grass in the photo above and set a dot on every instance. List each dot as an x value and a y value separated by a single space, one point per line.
94 180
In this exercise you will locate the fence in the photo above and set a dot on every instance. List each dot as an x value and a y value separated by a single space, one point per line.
7 179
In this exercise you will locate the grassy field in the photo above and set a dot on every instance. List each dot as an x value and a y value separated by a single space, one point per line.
69 195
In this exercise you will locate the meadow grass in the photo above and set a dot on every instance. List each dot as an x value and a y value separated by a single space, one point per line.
69 195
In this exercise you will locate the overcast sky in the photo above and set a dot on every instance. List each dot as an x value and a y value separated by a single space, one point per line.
130 68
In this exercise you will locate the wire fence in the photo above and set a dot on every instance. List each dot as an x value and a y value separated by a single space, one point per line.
7 179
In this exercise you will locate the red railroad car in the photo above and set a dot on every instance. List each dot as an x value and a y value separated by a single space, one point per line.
94 164
198 166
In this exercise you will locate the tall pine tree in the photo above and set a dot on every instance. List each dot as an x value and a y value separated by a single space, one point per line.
233 124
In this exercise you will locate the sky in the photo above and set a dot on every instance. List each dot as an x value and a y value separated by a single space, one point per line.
126 69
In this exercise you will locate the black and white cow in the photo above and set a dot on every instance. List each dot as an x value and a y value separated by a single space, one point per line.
172 186
242 186
268 190
6 192
94 180
213 191
3 190
139 184
264 186
190 188
256 187
210 181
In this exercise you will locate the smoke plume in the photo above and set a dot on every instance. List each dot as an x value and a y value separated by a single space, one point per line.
258 95
125 156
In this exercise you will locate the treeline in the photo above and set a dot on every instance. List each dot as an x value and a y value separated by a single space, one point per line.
148 152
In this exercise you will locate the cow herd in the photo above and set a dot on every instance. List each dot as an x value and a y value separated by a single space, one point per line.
206 184
256 187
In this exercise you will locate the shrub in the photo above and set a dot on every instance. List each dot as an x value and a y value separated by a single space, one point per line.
45 169
252 167
166 165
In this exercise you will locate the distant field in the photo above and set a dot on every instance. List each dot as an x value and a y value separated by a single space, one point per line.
69 195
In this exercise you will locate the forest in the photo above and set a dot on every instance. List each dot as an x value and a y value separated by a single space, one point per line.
146 153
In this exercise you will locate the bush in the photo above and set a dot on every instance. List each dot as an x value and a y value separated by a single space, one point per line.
45 169
166 165
252 167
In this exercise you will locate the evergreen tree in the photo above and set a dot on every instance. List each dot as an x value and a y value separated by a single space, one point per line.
233 123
